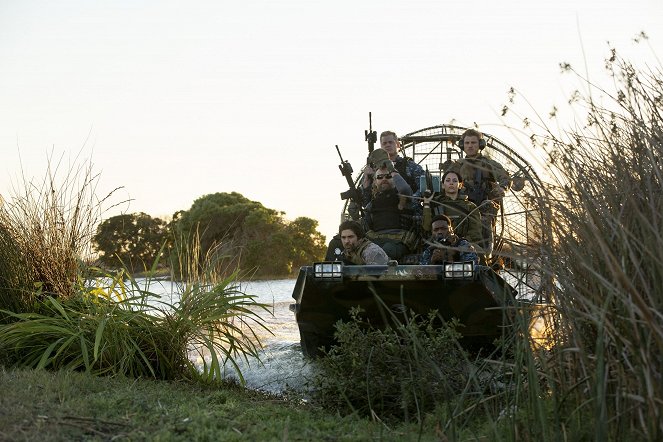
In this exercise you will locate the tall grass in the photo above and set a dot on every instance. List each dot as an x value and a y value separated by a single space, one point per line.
51 223
16 291
605 370
58 312
215 319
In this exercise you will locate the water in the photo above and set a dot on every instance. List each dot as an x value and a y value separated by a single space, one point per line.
281 366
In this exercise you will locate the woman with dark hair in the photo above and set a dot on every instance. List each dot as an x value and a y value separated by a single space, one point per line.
463 213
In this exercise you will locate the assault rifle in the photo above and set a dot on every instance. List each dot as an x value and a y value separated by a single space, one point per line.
429 184
370 135
478 191
353 194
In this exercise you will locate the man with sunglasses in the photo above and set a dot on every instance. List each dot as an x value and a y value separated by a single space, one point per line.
388 218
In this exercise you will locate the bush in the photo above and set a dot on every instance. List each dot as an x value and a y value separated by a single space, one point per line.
395 373
115 327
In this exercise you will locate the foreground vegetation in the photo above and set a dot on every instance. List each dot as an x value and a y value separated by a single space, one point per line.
599 376
605 257
65 405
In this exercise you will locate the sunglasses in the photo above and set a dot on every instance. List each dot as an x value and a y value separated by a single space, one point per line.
386 176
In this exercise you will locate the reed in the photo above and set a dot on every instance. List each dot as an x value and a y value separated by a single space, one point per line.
51 223
16 292
604 375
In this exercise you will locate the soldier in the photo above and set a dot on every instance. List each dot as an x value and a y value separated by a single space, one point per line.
485 183
377 159
357 249
446 246
388 218
463 213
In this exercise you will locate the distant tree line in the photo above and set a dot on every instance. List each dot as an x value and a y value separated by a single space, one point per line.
229 226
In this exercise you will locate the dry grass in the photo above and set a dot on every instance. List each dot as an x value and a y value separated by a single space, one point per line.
606 201
52 222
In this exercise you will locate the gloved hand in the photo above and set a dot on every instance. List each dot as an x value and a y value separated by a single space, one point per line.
496 192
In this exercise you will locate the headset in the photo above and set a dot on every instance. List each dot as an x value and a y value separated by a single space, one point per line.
461 142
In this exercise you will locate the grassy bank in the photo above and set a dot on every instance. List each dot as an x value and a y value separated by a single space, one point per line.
64 405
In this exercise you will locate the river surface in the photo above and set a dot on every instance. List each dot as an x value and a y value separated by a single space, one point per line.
281 365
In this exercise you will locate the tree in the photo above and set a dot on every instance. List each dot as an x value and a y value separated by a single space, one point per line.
131 240
308 244
254 236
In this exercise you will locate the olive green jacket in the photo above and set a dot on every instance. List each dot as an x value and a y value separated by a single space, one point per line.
481 172
464 215
367 252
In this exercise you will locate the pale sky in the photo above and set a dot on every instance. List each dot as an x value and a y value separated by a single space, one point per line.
175 100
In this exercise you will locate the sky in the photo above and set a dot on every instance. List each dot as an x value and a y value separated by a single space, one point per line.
175 100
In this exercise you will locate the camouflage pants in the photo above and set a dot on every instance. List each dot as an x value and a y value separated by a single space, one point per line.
489 212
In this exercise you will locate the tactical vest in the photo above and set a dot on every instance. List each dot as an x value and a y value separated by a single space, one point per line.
385 213
457 212
355 256
479 175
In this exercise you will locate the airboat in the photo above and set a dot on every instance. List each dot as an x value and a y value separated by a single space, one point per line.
481 298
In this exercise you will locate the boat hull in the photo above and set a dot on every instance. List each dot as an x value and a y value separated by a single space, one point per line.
387 293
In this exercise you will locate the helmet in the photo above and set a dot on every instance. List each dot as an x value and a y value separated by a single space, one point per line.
380 158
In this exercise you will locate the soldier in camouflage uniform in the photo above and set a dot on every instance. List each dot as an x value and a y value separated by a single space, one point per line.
485 182
388 218
463 213
356 248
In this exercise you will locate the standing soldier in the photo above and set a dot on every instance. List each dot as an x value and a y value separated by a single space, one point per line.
485 182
